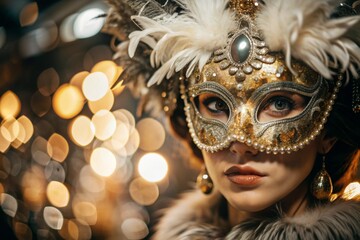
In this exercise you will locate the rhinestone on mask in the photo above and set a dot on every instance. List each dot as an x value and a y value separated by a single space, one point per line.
240 49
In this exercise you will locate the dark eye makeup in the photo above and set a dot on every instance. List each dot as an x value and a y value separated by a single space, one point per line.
211 106
281 105
275 106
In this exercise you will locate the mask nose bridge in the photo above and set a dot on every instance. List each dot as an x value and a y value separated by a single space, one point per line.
237 125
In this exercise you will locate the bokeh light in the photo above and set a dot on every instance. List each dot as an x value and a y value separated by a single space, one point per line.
82 130
66 28
8 204
40 104
104 103
152 134
143 192
29 14
134 228
46 36
132 209
74 230
120 137
58 194
90 181
110 69
352 191
153 167
87 23
54 171
22 231
39 151
4 142
33 187
48 81
57 147
132 144
85 211
103 162
68 101
10 129
105 124
5 168
95 86
78 79
53 218
10 105
21 133
28 127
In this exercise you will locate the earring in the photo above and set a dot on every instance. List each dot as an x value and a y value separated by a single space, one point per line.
321 186
204 181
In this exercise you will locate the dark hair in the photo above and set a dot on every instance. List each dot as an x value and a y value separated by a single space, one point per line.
180 129
343 124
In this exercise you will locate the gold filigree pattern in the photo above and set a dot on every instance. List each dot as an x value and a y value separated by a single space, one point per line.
248 7
245 51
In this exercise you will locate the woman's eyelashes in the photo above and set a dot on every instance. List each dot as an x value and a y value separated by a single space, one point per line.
278 106
211 106
215 105
282 105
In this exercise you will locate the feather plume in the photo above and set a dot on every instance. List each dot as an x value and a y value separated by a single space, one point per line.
137 71
305 31
153 9
186 39
118 21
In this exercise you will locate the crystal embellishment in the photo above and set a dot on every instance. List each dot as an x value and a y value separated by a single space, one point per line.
240 49
245 51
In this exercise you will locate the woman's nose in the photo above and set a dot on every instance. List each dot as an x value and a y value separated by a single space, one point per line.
241 148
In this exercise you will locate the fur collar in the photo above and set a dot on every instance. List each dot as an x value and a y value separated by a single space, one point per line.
195 216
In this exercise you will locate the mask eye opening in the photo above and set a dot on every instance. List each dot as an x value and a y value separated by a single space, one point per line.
281 105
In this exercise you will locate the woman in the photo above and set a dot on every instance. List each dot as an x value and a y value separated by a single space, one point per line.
265 93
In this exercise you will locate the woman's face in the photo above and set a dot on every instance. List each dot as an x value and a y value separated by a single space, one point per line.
252 180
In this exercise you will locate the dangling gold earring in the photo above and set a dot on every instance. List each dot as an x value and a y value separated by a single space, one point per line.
204 181
321 186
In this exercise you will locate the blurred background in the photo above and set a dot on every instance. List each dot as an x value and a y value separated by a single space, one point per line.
75 160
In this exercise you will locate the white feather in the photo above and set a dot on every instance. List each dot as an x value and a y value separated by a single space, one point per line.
185 40
304 30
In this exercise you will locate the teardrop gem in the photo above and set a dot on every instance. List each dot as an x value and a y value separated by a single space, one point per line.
322 185
240 48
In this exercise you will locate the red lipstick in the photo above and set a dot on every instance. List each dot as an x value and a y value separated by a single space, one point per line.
244 176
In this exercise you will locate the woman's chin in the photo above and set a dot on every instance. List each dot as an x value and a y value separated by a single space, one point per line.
249 206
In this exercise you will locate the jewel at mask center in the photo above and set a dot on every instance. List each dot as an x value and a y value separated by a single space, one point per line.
240 49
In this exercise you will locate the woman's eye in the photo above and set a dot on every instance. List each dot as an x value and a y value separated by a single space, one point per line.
282 105
212 107
279 105
215 105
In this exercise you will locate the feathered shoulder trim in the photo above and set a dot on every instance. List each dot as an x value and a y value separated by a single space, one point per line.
195 216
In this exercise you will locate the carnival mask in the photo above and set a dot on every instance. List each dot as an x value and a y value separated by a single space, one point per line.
247 94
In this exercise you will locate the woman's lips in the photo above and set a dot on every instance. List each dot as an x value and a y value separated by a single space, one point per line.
244 176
